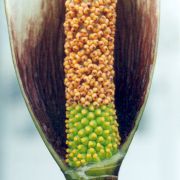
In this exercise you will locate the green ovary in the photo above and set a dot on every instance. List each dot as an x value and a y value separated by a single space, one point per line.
92 134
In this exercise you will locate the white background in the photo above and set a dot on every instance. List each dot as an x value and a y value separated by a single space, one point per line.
155 151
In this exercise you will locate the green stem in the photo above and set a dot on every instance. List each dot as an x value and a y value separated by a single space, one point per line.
97 178
105 170
75 176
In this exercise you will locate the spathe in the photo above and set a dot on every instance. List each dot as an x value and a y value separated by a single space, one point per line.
37 41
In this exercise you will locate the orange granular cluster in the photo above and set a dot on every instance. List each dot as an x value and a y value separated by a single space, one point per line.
89 48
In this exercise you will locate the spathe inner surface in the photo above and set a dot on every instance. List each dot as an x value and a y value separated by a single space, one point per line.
40 65
135 50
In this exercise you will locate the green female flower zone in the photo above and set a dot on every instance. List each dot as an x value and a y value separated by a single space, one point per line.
92 134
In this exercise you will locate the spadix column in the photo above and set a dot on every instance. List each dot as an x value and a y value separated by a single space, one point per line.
91 126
